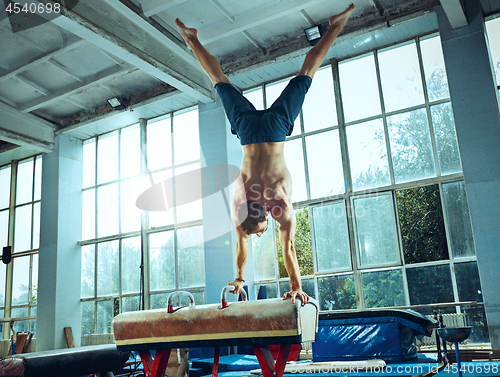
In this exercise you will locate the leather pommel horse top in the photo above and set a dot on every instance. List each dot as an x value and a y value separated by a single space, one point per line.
260 322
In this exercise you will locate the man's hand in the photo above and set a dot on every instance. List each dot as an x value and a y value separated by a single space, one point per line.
302 296
238 286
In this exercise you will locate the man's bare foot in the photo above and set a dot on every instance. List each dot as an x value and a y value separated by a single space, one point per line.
341 19
186 33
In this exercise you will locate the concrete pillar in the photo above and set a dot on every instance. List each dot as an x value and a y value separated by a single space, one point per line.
219 146
59 274
477 119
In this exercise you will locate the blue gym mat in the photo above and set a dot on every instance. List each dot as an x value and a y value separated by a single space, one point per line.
229 363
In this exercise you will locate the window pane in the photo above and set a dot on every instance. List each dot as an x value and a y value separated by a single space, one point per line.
255 97
429 285
88 265
161 261
446 138
263 255
4 227
319 110
3 268
34 279
383 289
411 148
324 164
4 186
434 69
88 214
22 229
159 218
107 210
375 231
331 237
20 326
131 261
131 304
458 218
468 283
368 155
273 91
359 88
89 163
107 157
104 317
159 301
307 287
24 185
33 311
191 257
186 137
87 313
400 77
493 31
337 292
188 190
38 178
130 215
130 155
303 245
107 268
294 158
20 280
159 139
36 225
422 226
270 290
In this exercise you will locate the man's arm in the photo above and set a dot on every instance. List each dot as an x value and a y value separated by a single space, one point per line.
286 218
241 259
287 240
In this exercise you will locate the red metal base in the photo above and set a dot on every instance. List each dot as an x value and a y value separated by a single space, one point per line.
266 361
270 368
156 367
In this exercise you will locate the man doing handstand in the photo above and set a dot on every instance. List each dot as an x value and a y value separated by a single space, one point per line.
264 184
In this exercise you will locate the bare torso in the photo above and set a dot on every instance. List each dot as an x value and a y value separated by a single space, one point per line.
265 178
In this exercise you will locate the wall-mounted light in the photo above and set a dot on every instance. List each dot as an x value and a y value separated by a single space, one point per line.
313 34
115 102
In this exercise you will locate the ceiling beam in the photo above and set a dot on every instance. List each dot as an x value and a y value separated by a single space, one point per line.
455 13
253 19
26 130
298 45
152 7
137 42
66 69
76 87
33 85
20 67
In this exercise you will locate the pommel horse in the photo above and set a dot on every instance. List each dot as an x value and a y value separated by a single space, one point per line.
255 323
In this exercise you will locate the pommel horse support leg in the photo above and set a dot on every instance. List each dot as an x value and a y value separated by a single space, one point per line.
256 323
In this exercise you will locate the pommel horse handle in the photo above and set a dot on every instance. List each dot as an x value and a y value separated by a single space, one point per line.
170 302
223 295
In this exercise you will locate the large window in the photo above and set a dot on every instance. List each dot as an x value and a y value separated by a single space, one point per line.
120 167
20 191
493 31
378 191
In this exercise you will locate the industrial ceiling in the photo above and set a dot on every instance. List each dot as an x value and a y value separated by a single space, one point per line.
58 69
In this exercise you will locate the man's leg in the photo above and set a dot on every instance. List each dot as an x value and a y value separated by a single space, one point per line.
208 62
318 53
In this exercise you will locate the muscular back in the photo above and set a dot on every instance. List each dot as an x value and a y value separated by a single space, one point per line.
265 178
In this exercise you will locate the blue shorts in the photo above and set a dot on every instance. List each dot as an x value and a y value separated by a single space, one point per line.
263 126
